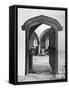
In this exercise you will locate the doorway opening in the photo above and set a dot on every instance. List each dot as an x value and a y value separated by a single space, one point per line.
39 50
47 45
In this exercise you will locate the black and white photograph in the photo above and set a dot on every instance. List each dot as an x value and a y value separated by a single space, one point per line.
40 44
34 43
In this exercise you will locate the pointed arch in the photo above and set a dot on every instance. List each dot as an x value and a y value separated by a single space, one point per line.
44 34
32 37
30 25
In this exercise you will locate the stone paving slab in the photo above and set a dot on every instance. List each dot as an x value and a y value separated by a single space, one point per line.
40 77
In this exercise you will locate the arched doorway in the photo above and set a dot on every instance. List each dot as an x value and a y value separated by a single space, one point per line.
33 48
44 38
47 41
30 26
33 41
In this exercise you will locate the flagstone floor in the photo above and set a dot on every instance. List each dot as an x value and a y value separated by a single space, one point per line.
42 70
40 77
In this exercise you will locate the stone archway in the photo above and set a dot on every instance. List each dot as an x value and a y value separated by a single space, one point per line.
52 49
31 43
30 26
44 35
32 37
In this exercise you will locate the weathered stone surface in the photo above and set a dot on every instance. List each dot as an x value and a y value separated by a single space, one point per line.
40 77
